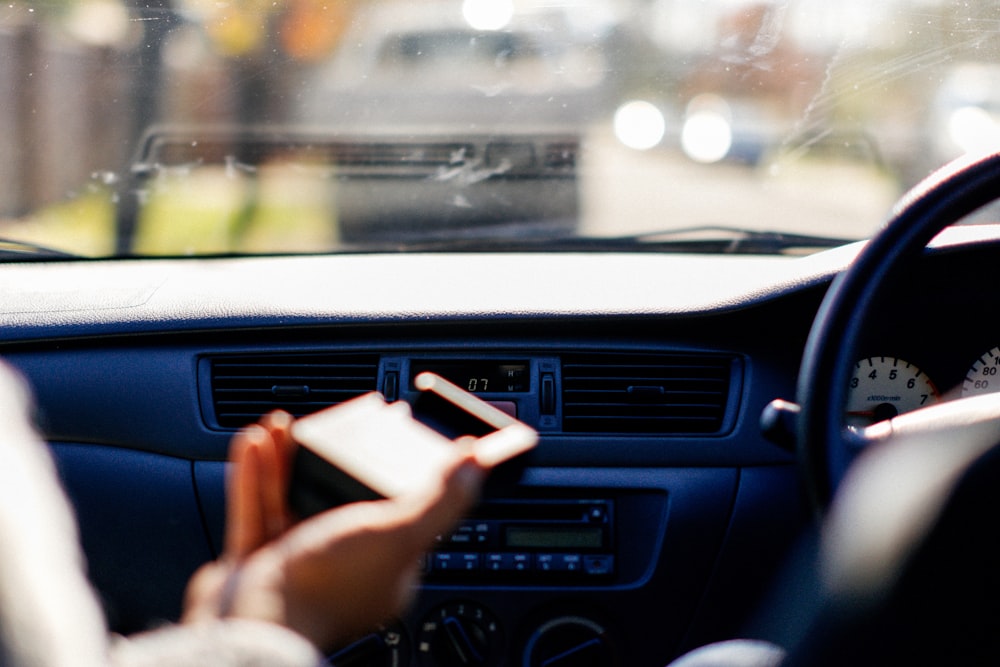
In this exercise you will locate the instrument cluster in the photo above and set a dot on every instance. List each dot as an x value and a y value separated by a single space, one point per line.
937 332
882 387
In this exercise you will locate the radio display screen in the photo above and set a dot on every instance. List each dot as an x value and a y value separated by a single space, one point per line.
479 377
554 537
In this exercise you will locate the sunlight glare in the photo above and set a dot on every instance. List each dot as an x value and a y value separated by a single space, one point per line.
488 14
973 129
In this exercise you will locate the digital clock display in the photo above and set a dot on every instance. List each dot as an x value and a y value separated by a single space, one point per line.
479 377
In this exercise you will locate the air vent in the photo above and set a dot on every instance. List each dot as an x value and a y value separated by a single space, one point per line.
645 394
246 387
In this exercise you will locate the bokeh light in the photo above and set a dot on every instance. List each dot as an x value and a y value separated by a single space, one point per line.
639 124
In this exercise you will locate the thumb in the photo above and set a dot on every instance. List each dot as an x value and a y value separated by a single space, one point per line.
438 510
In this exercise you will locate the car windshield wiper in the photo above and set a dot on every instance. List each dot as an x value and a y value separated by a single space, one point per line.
710 239
14 249
728 239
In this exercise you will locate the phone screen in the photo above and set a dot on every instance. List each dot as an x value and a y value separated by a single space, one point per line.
446 418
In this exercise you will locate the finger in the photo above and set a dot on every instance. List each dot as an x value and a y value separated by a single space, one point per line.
202 597
279 426
272 488
243 509
234 512
437 511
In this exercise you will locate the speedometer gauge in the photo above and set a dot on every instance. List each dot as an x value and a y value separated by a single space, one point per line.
883 387
984 375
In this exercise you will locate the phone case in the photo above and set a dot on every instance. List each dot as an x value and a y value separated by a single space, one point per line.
365 448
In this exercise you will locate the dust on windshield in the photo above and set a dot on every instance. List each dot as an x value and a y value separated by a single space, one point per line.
192 127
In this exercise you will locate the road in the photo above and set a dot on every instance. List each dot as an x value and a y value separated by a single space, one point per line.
626 191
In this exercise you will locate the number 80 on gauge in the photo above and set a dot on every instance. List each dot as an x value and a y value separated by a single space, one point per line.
984 375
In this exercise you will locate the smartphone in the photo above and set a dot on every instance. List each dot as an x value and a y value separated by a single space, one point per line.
366 448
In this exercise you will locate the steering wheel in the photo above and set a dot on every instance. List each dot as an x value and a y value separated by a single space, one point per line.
826 446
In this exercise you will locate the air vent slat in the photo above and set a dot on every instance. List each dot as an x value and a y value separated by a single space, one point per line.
246 387
645 394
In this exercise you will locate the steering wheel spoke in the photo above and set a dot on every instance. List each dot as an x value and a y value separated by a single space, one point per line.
963 424
911 463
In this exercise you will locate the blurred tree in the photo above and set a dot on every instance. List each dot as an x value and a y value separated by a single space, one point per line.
266 43
158 18
311 29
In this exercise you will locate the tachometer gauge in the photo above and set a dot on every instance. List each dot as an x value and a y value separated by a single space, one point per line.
883 387
984 375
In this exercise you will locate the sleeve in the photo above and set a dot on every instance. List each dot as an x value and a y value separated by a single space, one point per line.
49 615
224 643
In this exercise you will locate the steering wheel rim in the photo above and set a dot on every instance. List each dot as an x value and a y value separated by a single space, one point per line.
831 348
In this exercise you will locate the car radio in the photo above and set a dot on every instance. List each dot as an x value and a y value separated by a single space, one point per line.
530 540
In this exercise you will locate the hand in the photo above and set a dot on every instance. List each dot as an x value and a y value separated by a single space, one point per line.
335 575
257 486
256 511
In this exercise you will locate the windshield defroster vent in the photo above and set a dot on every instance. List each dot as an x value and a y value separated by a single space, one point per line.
646 394
246 387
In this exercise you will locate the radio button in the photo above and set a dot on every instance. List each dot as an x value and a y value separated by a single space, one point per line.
495 562
468 532
559 562
444 562
461 537
598 564
598 514
522 562
469 562
507 562
448 561
569 562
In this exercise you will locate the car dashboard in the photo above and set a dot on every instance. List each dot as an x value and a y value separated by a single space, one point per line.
652 516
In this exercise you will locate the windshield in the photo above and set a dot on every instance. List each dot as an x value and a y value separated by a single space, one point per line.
196 127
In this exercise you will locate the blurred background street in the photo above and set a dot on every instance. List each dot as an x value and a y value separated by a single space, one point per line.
679 126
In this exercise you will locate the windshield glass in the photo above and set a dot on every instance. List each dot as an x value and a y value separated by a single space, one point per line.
197 127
